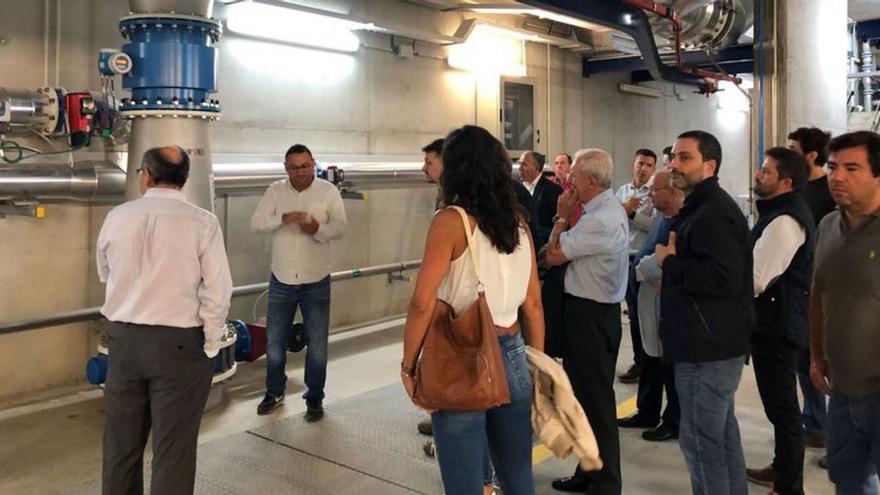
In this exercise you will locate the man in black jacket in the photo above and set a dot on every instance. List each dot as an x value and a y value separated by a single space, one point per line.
544 194
812 143
707 315
783 241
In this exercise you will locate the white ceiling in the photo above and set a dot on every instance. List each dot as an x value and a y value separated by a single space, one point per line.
864 10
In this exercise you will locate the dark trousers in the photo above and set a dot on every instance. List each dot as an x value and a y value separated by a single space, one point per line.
656 376
592 341
775 361
632 310
158 378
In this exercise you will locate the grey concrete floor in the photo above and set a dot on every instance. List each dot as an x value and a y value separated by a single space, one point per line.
53 445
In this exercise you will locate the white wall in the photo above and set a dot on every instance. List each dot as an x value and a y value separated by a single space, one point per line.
274 95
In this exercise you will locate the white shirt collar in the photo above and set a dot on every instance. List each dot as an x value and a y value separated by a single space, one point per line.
164 192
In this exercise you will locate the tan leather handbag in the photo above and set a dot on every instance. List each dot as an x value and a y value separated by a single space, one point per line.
460 366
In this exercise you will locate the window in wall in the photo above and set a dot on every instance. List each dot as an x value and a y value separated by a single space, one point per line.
518 115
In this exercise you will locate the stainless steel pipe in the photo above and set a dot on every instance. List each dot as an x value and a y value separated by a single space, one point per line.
91 314
102 180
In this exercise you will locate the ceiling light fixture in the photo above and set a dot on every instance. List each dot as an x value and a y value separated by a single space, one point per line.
634 89
298 27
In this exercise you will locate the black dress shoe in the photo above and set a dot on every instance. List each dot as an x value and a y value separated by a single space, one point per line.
631 375
636 421
570 484
314 410
269 404
661 433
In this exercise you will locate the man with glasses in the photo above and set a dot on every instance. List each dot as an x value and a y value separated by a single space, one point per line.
655 374
167 295
304 214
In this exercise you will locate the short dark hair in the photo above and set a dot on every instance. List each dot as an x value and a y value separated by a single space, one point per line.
567 156
541 159
790 165
708 146
164 170
646 152
812 139
667 151
297 148
435 146
860 139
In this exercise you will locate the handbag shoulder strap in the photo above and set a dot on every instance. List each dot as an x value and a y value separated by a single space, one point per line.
468 233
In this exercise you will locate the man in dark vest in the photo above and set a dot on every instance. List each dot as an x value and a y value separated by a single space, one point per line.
783 243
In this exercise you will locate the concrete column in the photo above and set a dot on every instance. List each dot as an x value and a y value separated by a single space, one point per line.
800 68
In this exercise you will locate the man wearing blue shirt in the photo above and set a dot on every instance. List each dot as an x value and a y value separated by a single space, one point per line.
597 248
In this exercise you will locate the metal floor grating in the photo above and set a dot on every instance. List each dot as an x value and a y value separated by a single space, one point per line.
365 445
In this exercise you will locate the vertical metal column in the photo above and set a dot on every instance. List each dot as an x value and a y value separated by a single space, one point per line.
174 73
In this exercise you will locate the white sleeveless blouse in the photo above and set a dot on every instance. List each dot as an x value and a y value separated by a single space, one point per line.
504 276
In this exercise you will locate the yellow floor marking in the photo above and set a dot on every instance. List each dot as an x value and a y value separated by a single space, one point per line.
541 453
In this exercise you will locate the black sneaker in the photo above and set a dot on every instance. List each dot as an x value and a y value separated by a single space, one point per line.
314 410
269 404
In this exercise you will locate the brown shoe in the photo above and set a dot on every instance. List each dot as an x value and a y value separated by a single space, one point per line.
631 375
813 440
764 476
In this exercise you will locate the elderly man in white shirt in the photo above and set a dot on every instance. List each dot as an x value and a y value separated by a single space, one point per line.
303 213
167 297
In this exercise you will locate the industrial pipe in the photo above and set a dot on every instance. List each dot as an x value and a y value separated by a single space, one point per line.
91 314
102 180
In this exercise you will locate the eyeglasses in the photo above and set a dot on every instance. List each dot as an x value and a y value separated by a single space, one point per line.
139 171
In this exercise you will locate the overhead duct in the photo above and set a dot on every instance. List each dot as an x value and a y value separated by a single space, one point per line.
630 17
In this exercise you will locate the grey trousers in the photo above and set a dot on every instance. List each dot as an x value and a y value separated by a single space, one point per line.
158 379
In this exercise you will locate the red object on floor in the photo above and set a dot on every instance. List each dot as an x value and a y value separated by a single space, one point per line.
258 340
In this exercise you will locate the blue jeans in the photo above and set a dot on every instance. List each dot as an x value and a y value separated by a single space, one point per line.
815 413
708 431
854 444
314 299
459 435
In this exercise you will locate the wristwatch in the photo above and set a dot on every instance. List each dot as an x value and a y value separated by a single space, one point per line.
559 219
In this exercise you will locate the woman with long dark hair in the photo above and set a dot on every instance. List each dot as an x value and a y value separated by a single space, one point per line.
476 177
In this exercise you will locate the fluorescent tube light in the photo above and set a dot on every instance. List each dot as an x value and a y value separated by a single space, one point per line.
639 90
490 50
293 26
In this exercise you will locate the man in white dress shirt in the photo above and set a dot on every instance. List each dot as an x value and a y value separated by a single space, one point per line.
635 197
167 296
303 213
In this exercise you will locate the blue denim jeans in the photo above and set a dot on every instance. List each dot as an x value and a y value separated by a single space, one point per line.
815 413
854 444
314 300
459 435
708 432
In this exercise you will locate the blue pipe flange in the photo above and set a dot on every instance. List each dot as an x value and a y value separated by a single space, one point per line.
174 65
96 369
243 343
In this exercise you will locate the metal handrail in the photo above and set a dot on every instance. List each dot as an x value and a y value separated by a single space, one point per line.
91 314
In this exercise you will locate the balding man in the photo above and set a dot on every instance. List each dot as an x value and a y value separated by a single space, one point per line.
167 296
595 283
